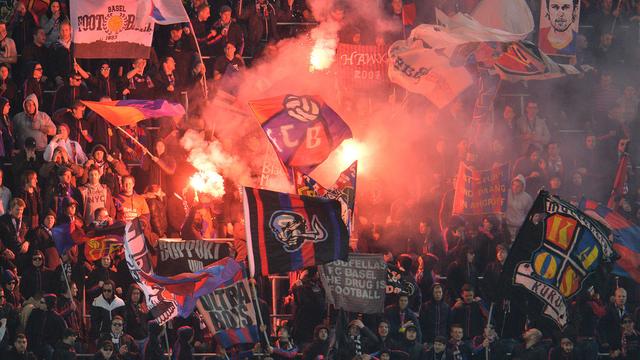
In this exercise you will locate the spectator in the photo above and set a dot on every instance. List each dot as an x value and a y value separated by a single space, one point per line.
22 26
33 123
566 350
227 31
490 281
34 81
518 205
30 193
130 205
182 49
61 55
35 278
123 344
8 52
106 351
70 93
355 340
5 195
65 349
283 348
45 327
203 31
469 311
310 306
95 195
229 65
439 350
533 348
109 168
51 21
435 315
320 344
71 309
630 340
104 308
13 231
12 294
400 316
8 87
151 348
262 18
19 350
71 147
165 80
103 272
102 132
7 141
156 201
459 348
555 164
463 270
103 86
532 128
34 52
611 322
59 195
140 85
136 313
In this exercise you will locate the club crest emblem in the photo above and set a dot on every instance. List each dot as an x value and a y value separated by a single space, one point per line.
292 230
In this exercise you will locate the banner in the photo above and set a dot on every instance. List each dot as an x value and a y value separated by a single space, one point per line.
556 254
361 67
559 25
164 12
343 190
303 130
513 16
181 256
522 60
230 315
129 112
98 247
481 191
288 232
356 285
625 238
109 29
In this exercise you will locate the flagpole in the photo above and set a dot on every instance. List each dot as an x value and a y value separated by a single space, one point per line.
203 80
144 148
255 296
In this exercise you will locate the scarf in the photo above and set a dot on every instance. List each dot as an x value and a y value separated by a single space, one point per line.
357 343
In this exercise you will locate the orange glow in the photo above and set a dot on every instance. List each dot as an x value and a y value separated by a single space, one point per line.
208 182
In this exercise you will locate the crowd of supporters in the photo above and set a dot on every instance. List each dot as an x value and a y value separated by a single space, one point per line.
64 164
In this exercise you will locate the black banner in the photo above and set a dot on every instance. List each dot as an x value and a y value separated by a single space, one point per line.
180 256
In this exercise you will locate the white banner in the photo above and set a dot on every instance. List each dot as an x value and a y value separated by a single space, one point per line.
555 306
109 29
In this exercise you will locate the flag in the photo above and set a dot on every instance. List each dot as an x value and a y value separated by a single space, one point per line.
303 130
170 296
343 190
480 192
558 29
620 185
98 247
513 16
62 237
625 238
356 285
163 12
524 61
558 252
104 29
288 232
230 314
408 13
361 67
176 256
129 112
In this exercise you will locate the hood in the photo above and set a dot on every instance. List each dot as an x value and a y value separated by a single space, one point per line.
33 98
8 276
184 334
99 147
520 178
316 331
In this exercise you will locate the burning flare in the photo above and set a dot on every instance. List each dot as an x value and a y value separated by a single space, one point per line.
324 48
208 182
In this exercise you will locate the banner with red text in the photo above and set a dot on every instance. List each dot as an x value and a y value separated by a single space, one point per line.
481 191
361 66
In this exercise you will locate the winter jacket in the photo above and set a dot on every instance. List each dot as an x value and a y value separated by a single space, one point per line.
37 126
102 311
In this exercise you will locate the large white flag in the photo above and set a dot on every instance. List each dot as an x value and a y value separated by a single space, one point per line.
163 12
109 29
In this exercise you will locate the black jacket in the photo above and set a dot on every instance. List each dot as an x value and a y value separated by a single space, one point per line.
434 320
11 237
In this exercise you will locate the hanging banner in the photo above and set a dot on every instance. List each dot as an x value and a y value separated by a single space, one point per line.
481 191
229 314
559 22
109 29
357 284
181 256
361 66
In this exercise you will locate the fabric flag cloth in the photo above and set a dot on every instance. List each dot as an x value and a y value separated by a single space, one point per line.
230 314
409 12
524 61
558 28
361 67
103 29
620 182
303 130
100 242
170 296
356 285
625 238
558 252
512 16
176 256
288 232
480 192
65 236
129 112
163 12
343 190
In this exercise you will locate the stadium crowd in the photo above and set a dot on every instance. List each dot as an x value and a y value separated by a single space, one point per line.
64 164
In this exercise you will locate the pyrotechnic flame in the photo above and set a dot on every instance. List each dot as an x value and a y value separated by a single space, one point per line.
324 48
351 150
208 182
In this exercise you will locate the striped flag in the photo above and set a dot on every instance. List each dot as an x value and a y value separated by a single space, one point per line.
163 12
129 112
288 232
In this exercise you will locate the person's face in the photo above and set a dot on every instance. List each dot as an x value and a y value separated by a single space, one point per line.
501 255
576 179
20 345
561 14
566 345
423 228
439 347
116 326
128 184
225 17
487 225
65 178
411 334
457 333
323 334
31 107
470 257
508 113
629 91
2 298
160 148
21 9
555 183
230 51
622 145
107 292
94 177
535 156
396 6
11 285
4 72
33 180
55 7
204 14
383 329
71 209
78 112
403 301
37 260
438 293
552 149
98 155
467 297
64 132
75 80
385 356
16 211
103 216
354 330
627 324
42 305
517 187
140 63
620 297
65 32
105 261
532 109
605 80
135 296
176 34
49 221
169 65
107 352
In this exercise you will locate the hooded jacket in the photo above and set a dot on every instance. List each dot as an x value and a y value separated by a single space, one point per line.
182 349
6 132
37 126
518 205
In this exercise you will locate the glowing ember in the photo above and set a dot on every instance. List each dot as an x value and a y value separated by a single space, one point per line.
208 182
322 54
350 151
